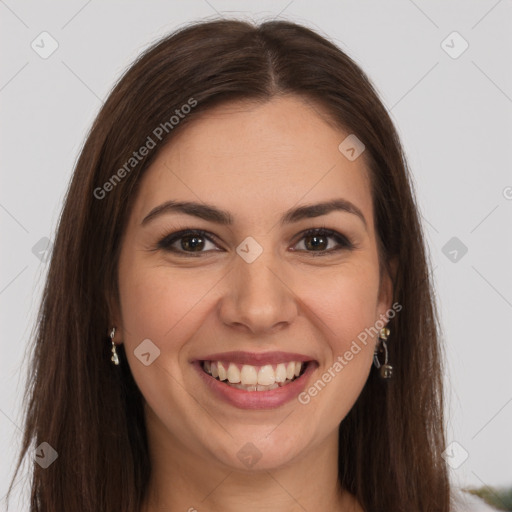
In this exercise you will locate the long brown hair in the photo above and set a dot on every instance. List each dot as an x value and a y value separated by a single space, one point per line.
90 411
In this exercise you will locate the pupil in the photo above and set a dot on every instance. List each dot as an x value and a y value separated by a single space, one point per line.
192 245
316 238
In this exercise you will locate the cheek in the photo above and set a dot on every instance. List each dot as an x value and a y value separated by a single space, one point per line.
156 303
344 301
344 312
158 306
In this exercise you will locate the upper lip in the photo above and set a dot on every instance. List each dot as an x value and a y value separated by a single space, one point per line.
254 358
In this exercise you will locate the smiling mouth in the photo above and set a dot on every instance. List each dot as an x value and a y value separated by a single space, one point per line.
255 378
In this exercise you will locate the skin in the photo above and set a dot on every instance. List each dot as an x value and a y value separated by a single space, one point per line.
256 161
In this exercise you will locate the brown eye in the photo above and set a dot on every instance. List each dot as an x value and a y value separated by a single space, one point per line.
317 240
186 241
192 242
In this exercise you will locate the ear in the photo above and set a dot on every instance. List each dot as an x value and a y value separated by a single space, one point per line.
114 317
386 288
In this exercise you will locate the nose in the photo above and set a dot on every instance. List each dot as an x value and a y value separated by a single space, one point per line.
258 298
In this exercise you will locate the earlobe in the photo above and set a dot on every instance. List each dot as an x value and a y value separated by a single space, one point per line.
114 333
114 319
386 288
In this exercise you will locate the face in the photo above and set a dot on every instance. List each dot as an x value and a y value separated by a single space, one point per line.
259 287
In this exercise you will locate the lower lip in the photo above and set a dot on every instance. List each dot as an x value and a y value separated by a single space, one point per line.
256 399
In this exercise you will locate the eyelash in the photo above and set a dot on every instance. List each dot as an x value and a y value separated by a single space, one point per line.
166 242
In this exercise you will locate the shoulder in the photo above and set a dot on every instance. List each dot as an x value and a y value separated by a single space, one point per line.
466 502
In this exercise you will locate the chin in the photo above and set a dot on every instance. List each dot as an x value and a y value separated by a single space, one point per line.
259 448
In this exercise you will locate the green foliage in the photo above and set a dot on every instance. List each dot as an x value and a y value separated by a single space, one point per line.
498 498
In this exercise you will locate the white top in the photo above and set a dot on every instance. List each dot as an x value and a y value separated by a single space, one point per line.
466 502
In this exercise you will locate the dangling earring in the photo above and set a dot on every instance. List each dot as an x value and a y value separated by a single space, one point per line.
386 370
114 357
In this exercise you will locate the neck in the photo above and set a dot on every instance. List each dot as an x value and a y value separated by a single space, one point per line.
196 482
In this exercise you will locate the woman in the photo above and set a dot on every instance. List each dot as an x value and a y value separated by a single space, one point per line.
238 311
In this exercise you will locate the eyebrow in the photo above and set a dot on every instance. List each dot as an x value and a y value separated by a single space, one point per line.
214 214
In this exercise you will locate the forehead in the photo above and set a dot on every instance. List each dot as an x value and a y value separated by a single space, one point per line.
255 159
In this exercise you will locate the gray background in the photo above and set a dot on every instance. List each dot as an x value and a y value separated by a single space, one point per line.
454 116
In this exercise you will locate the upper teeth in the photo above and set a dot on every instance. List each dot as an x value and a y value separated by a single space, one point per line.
248 374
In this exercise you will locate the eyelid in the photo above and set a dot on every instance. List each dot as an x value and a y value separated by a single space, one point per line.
165 241
343 242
